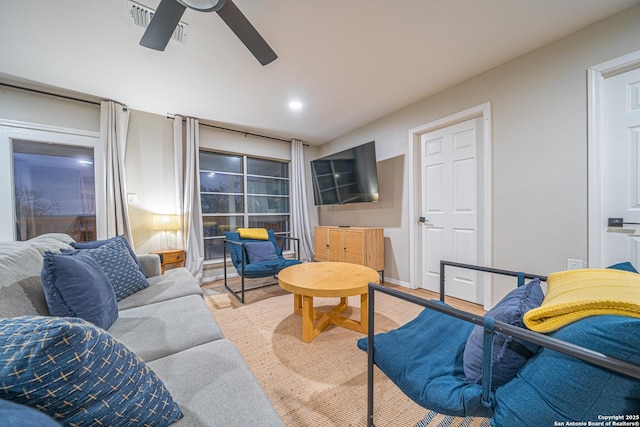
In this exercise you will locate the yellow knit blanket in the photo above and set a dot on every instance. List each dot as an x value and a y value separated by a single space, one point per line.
575 294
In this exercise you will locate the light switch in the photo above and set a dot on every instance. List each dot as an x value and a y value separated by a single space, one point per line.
132 198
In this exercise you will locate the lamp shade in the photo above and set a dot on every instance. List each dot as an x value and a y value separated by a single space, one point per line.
166 222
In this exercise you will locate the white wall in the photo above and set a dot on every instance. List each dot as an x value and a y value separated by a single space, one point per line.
539 153
23 106
539 108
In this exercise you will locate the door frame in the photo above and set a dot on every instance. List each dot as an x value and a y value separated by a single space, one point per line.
596 77
485 218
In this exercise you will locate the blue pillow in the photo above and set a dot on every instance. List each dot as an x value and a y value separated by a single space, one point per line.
98 243
79 374
553 386
509 353
16 415
624 266
75 286
120 268
260 251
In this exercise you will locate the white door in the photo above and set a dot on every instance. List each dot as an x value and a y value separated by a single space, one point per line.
450 207
621 168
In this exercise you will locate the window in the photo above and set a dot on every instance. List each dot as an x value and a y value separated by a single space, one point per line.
240 191
54 190
51 179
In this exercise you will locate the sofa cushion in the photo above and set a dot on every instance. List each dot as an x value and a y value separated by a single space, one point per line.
553 386
174 283
260 251
76 286
17 415
98 243
78 374
215 387
157 330
509 353
21 292
121 269
51 242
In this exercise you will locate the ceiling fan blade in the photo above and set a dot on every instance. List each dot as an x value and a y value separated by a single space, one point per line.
162 25
246 32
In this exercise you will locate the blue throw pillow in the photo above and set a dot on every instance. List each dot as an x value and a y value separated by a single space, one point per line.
509 353
75 286
98 243
120 268
624 266
16 415
553 386
260 251
79 374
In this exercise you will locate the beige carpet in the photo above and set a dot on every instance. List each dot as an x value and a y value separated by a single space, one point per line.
322 383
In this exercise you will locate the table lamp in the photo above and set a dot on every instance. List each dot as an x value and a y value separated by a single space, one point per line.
166 223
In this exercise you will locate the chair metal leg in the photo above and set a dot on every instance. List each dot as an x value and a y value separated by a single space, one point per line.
370 335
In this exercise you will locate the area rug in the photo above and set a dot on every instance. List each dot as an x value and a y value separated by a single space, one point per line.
434 419
322 383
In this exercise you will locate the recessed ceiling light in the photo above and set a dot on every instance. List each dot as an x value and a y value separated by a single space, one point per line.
295 105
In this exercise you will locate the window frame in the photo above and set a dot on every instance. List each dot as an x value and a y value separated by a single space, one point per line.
246 214
14 130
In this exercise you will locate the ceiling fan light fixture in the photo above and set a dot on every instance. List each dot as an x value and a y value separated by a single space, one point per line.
203 5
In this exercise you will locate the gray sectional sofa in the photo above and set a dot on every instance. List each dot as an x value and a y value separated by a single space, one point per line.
167 325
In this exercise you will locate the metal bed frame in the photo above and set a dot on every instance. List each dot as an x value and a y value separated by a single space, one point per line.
570 349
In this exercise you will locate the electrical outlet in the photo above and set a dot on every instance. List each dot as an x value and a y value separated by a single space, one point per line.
574 264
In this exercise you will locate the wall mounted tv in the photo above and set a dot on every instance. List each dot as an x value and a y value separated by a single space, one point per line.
349 176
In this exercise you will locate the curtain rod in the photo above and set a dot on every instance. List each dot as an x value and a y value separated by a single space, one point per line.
172 116
42 92
169 116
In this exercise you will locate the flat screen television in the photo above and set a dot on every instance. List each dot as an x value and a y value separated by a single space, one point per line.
350 176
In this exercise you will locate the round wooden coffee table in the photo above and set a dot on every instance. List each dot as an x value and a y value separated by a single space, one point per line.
327 280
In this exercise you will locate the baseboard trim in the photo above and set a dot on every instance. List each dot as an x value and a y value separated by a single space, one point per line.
399 283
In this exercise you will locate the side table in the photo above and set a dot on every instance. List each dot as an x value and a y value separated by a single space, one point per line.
170 256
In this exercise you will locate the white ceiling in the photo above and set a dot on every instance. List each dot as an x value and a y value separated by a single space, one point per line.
349 61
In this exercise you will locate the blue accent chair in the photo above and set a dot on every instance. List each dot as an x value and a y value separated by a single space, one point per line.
242 251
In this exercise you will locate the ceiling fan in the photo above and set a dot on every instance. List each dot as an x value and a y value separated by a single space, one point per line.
169 12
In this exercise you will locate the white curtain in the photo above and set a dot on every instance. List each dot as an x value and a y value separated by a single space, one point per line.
299 206
187 170
114 123
24 198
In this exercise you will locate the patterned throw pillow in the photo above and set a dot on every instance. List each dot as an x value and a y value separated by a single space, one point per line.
120 268
79 374
98 243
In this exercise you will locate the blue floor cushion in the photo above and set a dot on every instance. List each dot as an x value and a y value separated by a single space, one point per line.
424 359
555 387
